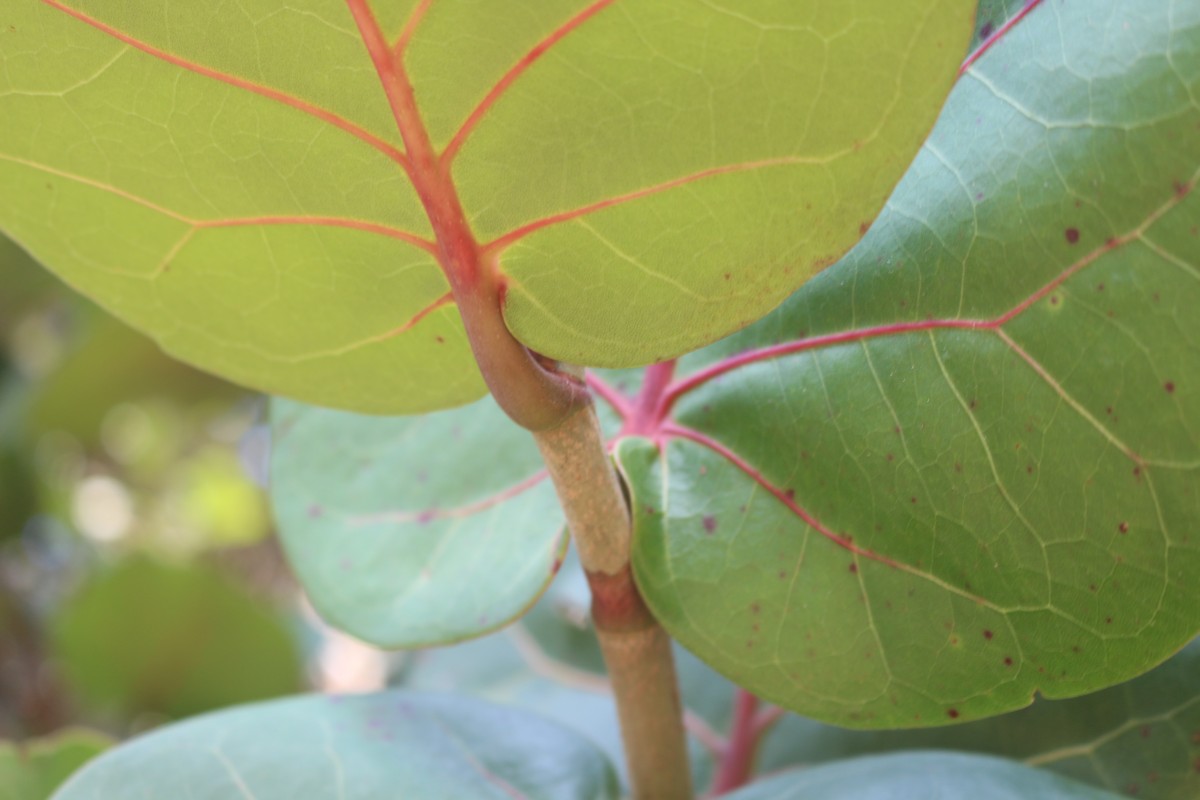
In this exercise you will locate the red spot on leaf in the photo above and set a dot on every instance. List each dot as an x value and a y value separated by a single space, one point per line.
1008 662
1072 235
1181 189
863 227
986 30
1145 731
425 516
952 713
988 635
1170 387
315 511
790 494
1123 527
710 524
439 340
854 567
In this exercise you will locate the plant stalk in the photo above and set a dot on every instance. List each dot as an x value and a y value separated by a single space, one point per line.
736 766
637 651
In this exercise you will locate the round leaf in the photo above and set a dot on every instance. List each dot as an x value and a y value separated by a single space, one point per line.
414 530
359 747
961 467
175 640
645 177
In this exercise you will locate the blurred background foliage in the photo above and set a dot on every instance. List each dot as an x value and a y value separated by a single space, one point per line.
139 582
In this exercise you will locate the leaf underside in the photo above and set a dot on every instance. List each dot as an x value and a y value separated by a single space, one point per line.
961 467
647 177
414 530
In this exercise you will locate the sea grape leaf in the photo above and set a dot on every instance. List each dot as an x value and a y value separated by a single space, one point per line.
920 774
354 747
414 530
1140 738
960 467
647 177
32 770
175 640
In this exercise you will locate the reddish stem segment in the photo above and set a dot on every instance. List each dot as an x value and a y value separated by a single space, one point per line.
737 762
644 416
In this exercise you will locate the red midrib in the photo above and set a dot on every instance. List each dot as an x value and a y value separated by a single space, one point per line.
457 248
997 35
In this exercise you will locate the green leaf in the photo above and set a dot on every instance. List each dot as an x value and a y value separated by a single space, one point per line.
33 770
1141 737
645 177
146 636
414 530
356 747
973 476
917 774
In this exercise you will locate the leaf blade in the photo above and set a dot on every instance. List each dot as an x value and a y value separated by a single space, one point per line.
401 533
972 476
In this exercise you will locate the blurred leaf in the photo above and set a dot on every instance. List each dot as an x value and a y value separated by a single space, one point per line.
24 285
107 364
18 484
924 775
178 640
358 747
414 530
220 500
32 770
